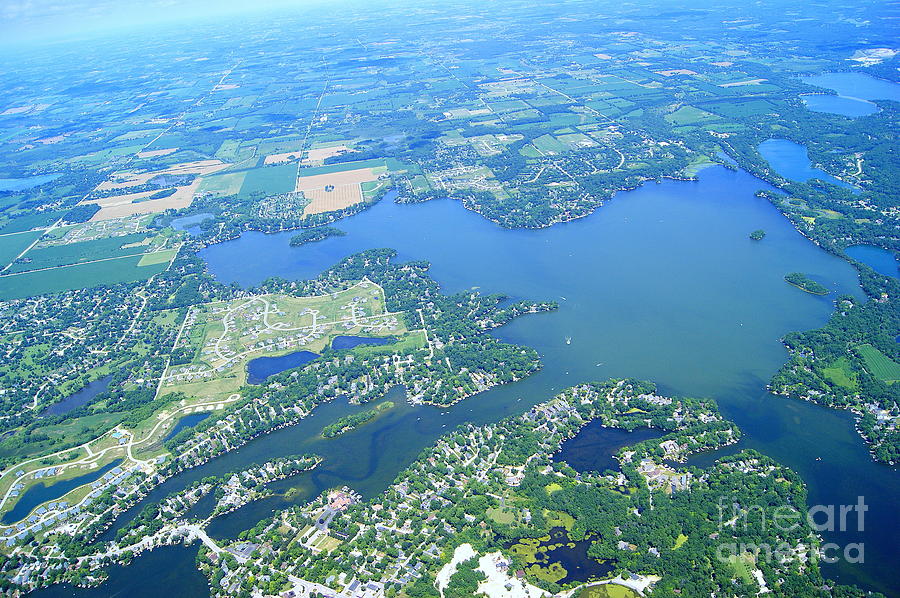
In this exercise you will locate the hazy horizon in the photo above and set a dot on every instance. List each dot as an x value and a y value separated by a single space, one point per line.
47 21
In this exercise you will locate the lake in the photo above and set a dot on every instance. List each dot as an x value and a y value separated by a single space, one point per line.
880 260
791 160
856 85
169 569
661 283
849 107
259 369
26 183
855 92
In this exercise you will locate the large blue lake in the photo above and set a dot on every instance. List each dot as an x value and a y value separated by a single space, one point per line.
662 283
849 107
854 93
791 160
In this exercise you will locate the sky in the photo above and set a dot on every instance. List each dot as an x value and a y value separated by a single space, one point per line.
23 21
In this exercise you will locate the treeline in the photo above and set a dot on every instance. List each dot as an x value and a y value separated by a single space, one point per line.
353 421
804 282
311 235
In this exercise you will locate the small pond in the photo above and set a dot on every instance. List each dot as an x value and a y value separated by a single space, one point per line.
593 448
560 559
190 224
188 421
261 368
82 397
41 493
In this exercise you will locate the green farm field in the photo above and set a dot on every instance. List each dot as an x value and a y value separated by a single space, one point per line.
269 180
157 257
74 253
879 365
224 183
688 115
79 276
12 245
331 168
27 222
741 109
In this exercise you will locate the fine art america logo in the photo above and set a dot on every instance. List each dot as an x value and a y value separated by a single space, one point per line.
769 521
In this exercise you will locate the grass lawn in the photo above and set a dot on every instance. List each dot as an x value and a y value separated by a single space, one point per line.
157 257
741 566
559 519
326 543
500 516
698 163
879 365
220 387
373 189
548 143
410 342
74 431
841 373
